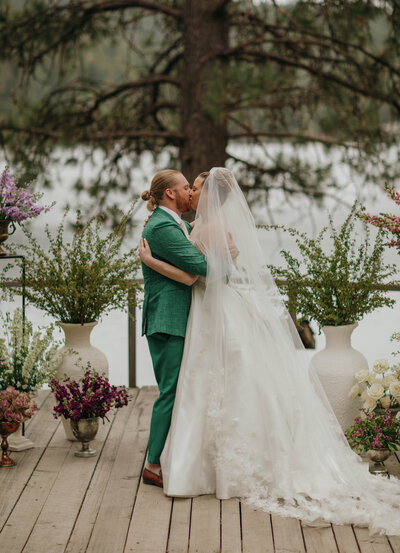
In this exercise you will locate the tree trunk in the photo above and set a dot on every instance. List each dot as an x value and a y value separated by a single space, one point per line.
205 141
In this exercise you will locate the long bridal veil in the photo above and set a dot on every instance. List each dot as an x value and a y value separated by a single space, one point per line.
270 427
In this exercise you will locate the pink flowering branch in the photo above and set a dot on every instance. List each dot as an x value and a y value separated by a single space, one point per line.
389 223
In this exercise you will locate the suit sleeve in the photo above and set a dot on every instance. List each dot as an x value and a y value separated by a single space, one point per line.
170 244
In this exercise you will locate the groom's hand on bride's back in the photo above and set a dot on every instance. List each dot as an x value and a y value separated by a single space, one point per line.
233 250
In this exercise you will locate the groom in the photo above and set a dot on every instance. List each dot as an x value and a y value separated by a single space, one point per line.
167 302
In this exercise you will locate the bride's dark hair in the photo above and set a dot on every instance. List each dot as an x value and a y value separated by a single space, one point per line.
203 176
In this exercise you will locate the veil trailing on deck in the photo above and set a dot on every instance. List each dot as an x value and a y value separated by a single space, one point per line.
278 441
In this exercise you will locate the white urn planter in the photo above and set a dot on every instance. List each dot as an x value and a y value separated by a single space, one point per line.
335 366
77 338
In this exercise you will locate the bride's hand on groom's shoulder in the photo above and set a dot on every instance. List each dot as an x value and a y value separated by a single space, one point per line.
144 251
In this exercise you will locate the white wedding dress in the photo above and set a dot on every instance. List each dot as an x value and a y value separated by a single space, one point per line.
250 419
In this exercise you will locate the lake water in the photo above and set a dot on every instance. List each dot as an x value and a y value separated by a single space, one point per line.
372 336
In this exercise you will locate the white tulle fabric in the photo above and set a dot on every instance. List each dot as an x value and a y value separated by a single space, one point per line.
250 419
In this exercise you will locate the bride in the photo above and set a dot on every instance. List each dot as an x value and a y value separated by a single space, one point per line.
250 419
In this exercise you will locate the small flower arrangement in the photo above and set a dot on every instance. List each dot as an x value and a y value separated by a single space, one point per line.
16 406
379 388
390 224
90 396
374 431
17 203
28 359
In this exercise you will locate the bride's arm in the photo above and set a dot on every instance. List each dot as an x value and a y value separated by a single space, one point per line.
162 267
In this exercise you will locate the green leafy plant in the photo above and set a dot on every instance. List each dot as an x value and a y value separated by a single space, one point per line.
336 285
374 431
81 280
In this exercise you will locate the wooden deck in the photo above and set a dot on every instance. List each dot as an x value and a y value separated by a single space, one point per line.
54 502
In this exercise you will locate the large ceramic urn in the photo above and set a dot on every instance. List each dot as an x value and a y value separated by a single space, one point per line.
335 366
74 364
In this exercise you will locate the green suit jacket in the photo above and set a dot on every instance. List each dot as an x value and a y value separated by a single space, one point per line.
167 302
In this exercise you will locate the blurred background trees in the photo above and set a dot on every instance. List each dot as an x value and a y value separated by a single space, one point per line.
201 83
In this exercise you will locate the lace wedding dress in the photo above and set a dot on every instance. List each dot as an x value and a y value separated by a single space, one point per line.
251 420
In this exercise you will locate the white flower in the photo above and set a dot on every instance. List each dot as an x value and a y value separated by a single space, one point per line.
385 401
394 389
376 391
369 404
387 380
381 366
364 395
355 391
373 379
362 375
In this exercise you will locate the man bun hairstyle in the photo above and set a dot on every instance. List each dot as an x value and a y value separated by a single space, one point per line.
161 181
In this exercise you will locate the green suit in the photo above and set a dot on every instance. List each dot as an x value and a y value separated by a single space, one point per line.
165 312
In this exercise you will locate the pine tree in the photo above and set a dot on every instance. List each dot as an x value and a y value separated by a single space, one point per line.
194 77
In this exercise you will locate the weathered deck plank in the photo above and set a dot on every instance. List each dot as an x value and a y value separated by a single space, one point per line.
288 537
205 527
57 517
180 526
99 487
54 502
318 537
231 541
148 532
13 480
256 531
345 538
112 523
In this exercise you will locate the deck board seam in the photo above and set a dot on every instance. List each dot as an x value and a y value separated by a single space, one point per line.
272 532
302 535
137 490
355 536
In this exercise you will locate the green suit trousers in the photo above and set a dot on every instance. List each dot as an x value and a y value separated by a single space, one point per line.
166 353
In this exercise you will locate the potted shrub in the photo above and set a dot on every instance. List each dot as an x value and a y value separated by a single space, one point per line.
79 281
28 359
336 285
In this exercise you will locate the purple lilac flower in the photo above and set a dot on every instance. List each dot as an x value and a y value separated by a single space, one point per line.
91 396
17 204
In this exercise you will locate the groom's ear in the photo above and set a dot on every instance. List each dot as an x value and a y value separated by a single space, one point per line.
169 193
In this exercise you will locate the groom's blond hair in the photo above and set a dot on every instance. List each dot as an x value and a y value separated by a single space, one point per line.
161 181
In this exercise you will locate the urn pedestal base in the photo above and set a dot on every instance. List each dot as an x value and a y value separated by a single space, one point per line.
377 458
6 428
18 442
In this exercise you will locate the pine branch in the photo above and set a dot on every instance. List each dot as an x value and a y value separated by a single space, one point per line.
292 137
323 39
96 136
260 56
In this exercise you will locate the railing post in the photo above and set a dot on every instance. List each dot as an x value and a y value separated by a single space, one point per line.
132 338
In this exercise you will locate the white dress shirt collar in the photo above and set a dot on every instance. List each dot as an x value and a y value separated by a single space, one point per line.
174 215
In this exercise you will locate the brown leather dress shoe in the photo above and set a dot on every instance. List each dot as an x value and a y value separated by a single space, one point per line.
152 478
